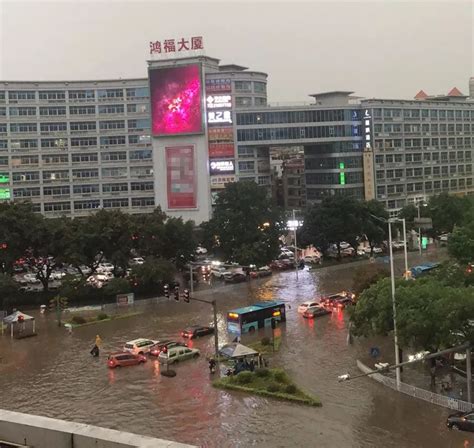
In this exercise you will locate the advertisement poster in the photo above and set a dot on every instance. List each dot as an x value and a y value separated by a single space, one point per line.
176 103
181 177
221 150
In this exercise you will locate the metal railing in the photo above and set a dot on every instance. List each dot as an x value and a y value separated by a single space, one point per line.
416 392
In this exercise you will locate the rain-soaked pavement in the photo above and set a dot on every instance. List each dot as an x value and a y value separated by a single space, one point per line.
54 375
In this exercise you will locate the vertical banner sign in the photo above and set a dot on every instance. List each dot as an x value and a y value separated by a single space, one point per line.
181 177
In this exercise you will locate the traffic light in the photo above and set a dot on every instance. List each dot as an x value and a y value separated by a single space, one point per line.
176 293
186 295
166 290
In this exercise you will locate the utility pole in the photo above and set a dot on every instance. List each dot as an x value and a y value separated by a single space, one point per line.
394 307
295 224
468 375
191 281
405 248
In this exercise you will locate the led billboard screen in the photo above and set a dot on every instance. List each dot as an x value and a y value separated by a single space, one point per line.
181 177
176 100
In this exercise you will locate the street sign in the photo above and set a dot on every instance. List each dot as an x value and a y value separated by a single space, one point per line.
125 299
423 223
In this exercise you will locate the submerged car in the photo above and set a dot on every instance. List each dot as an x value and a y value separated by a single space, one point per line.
315 311
124 359
461 420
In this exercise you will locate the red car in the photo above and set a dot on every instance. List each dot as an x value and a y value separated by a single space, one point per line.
338 301
124 359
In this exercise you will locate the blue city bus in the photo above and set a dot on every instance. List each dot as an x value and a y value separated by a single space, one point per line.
259 315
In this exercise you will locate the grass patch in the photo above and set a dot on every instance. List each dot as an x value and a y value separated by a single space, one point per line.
79 321
274 384
264 348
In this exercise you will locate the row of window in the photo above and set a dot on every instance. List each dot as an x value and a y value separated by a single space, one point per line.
301 116
294 133
79 174
75 142
61 159
65 190
58 207
333 178
426 143
331 163
317 194
428 186
445 170
425 157
76 126
83 94
425 128
433 114
246 86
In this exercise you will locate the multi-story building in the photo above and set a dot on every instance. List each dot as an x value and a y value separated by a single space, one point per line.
72 147
421 147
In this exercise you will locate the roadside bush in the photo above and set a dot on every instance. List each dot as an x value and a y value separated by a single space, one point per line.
78 320
281 376
273 387
102 316
265 341
262 373
244 378
290 389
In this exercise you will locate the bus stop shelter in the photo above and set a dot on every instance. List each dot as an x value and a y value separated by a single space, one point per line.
239 352
21 324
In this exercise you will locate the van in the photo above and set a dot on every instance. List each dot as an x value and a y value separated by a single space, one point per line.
139 346
177 354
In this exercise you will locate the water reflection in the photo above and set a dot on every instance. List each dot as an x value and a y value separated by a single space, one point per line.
64 381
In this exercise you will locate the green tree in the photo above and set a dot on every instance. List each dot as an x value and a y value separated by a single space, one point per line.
461 243
447 211
430 315
8 290
152 275
246 225
336 219
117 286
373 224
409 213
367 275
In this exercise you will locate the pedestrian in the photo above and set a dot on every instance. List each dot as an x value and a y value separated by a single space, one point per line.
252 365
96 349
98 341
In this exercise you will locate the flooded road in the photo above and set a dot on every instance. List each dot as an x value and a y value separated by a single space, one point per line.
54 375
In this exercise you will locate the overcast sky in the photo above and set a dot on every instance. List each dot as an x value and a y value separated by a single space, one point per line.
376 48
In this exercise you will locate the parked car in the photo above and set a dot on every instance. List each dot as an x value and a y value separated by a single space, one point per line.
396 245
136 261
139 346
376 250
30 278
444 237
235 277
308 304
339 300
310 259
105 267
344 245
347 252
57 275
201 250
461 420
196 331
177 354
218 271
156 349
115 360
315 311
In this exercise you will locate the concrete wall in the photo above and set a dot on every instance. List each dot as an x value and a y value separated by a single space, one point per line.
44 432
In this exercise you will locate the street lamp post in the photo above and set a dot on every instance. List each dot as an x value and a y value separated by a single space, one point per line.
296 246
394 306
405 247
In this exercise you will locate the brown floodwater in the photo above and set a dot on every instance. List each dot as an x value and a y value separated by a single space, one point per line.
54 375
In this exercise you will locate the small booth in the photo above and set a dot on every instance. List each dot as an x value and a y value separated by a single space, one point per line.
21 325
240 353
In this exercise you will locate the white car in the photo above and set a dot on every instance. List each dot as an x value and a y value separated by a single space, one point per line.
105 267
344 245
139 346
444 237
398 244
57 275
201 250
30 278
176 354
98 280
312 259
219 272
137 261
308 304
377 250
